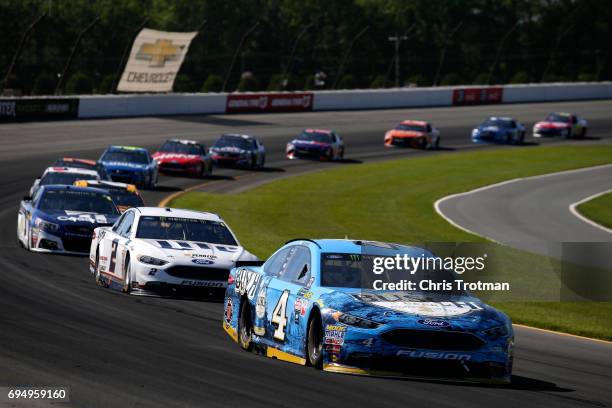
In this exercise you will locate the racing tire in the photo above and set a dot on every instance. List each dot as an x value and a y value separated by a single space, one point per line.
97 268
245 326
127 281
263 162
314 342
583 133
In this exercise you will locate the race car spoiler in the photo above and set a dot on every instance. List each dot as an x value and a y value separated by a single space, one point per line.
249 263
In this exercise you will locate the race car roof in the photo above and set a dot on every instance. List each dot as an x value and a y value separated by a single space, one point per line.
357 246
116 148
178 213
414 122
73 170
500 118
237 135
183 141
324 131
76 159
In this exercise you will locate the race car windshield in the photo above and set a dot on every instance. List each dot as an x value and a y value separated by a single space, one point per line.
498 122
180 148
554 117
80 201
74 164
184 229
356 271
234 141
410 128
127 199
64 178
138 157
315 137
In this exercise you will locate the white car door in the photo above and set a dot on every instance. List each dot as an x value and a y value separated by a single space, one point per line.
113 247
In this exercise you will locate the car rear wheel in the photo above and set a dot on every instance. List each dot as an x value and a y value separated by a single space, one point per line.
97 268
314 345
245 326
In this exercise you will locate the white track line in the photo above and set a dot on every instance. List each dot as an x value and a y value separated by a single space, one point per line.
490 186
574 211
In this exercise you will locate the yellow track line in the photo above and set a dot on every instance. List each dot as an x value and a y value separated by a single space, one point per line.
562 333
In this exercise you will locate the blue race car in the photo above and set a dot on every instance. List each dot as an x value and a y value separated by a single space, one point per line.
132 165
307 304
62 218
499 130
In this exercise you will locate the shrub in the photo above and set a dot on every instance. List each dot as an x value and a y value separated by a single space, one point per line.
347 82
276 83
248 83
44 84
182 83
79 84
214 83
520 77
379 82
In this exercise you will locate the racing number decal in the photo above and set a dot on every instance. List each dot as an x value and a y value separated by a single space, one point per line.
113 257
279 316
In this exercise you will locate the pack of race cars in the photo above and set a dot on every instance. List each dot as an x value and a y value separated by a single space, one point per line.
304 304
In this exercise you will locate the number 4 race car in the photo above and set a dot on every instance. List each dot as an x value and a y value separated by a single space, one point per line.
306 305
165 251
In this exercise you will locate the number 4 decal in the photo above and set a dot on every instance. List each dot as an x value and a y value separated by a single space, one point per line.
279 316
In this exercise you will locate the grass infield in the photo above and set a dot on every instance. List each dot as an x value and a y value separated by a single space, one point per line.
598 209
393 201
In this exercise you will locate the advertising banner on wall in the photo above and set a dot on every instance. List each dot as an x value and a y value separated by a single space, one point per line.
38 108
477 96
155 59
270 102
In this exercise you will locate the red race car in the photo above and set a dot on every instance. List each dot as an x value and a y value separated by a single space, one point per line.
178 156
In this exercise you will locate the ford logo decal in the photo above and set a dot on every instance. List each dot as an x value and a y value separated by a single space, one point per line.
434 323
202 261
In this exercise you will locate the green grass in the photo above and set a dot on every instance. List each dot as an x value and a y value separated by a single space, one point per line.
393 201
598 209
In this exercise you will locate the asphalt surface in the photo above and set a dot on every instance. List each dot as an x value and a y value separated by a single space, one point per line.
534 214
58 328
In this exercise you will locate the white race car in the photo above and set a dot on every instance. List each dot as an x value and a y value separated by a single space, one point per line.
63 176
166 251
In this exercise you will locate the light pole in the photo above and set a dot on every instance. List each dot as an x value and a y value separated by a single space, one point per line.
443 54
346 55
231 67
397 39
499 51
287 72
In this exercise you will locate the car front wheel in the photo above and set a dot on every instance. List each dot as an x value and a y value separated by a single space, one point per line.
314 346
245 326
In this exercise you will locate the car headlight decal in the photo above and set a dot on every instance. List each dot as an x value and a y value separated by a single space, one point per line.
149 260
355 321
46 225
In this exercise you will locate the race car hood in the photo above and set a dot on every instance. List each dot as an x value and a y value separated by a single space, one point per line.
410 308
124 166
78 218
162 157
196 253
310 144
404 133
552 125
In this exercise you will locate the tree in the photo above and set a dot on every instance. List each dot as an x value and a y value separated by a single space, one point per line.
214 83
79 84
183 83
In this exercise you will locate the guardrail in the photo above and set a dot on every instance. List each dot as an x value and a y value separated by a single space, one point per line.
105 106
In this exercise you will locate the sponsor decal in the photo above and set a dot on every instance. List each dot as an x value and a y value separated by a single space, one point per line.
433 355
433 323
260 304
229 309
367 342
270 102
207 256
299 308
259 331
247 282
334 335
87 217
155 59
207 284
199 261
477 96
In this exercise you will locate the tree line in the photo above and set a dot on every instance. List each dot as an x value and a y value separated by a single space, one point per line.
326 44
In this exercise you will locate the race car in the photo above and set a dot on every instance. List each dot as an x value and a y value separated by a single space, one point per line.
321 144
311 303
165 251
124 195
413 133
129 164
498 129
561 124
62 218
81 164
64 176
232 149
178 156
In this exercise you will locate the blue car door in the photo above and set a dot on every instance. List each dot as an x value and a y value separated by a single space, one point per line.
285 308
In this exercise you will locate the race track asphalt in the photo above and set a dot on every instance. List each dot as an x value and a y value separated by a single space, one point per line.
58 328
